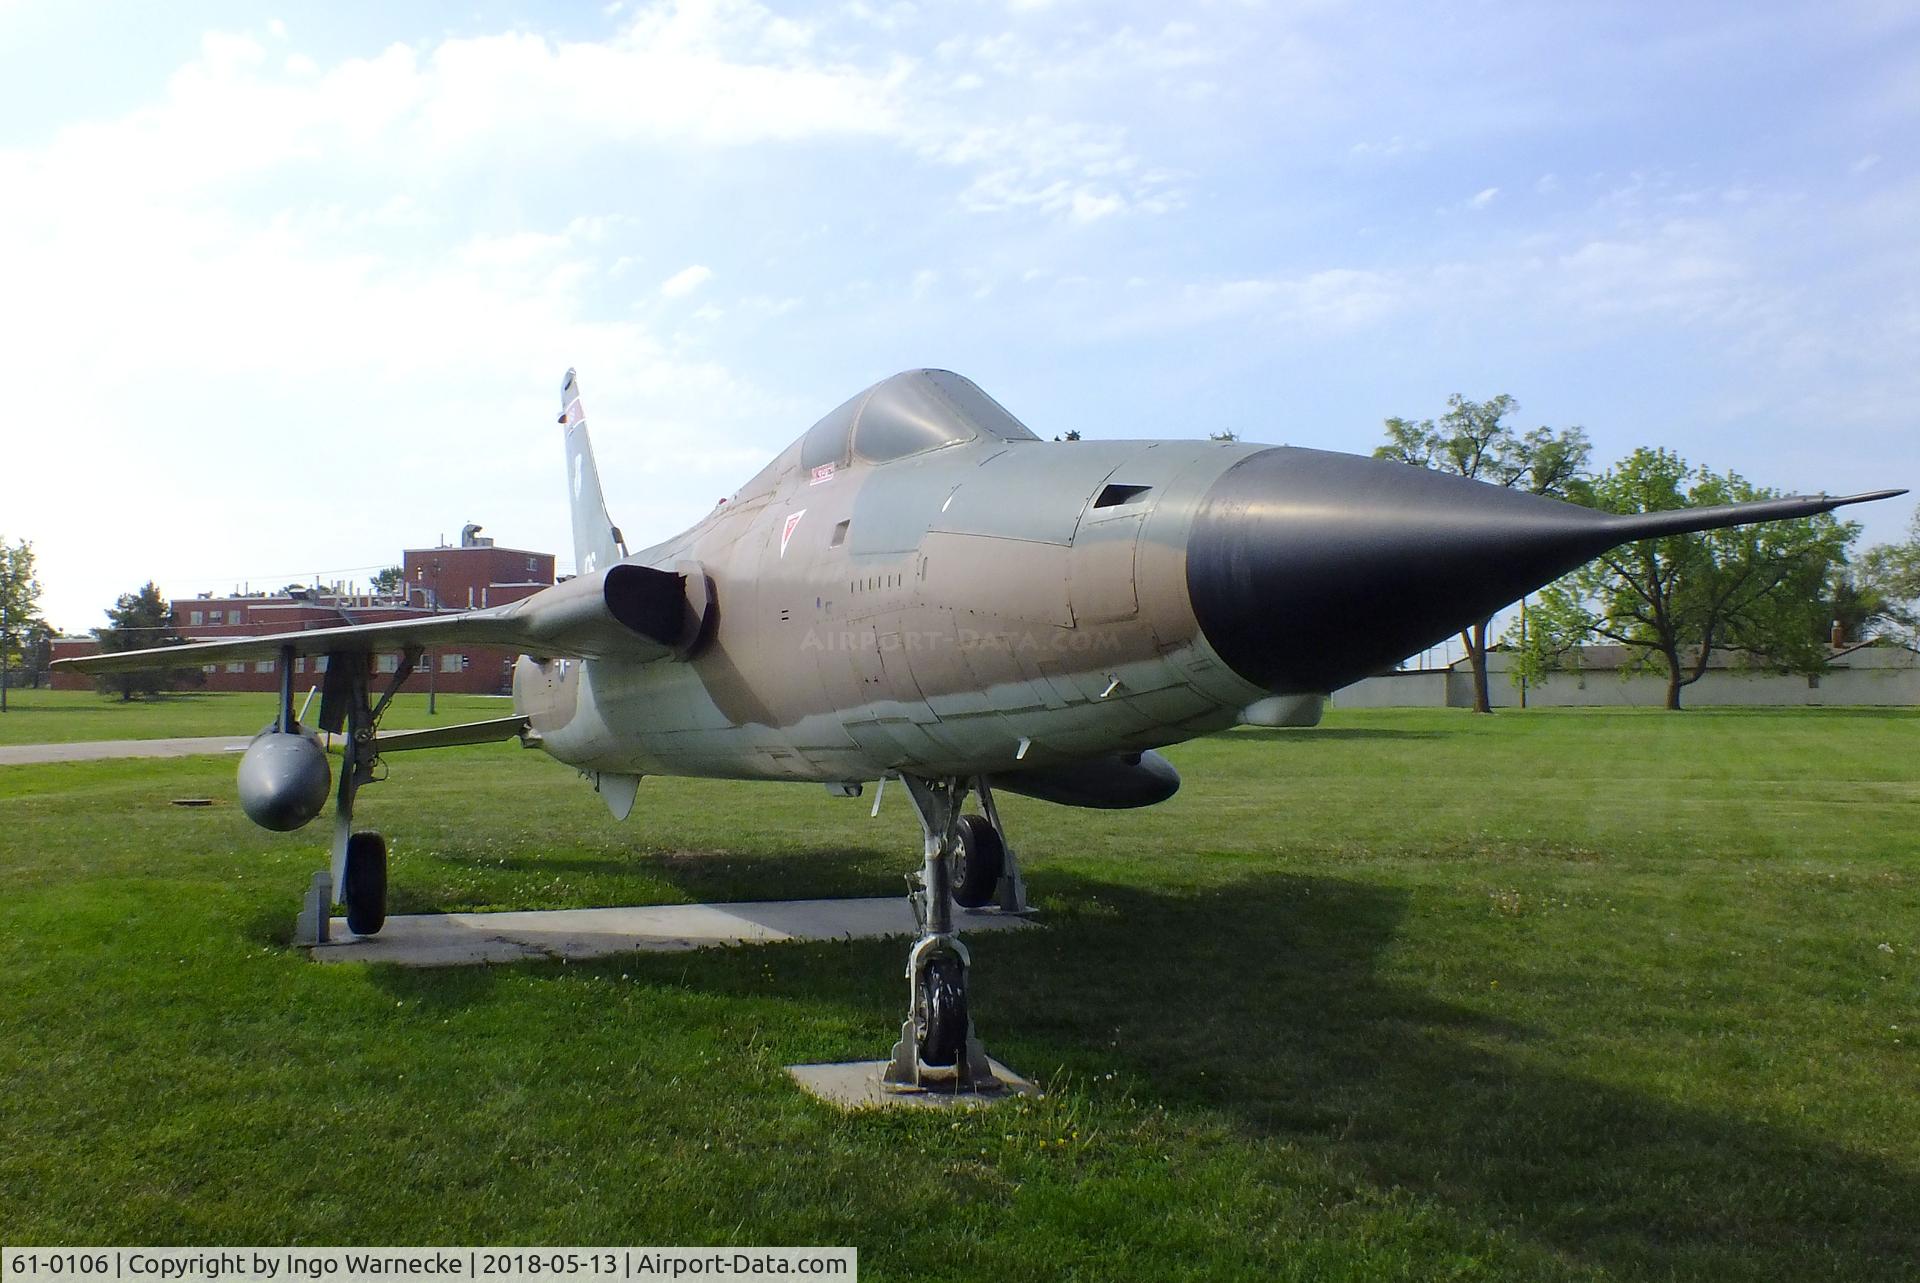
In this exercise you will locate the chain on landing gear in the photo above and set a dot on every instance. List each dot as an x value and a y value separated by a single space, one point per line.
359 864
937 1049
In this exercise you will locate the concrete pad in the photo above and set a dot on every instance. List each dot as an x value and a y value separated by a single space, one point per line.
857 1085
101 750
467 939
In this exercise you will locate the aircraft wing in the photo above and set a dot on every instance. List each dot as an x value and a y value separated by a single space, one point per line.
487 732
627 612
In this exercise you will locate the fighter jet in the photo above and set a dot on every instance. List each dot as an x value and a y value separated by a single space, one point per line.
921 589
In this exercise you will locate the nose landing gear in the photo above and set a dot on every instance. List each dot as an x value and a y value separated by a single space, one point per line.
938 1050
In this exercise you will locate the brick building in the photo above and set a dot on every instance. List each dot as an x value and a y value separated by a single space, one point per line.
465 576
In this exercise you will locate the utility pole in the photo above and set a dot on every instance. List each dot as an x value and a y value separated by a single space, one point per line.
9 579
1523 653
432 709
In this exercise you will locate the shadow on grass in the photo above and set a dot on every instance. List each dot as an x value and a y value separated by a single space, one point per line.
803 873
1262 1004
1330 733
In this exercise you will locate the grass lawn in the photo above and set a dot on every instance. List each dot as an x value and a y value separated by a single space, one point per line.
1413 995
64 717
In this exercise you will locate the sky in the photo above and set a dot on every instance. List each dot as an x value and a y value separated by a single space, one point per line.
281 295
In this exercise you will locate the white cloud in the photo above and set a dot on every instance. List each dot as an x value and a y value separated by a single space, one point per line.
1484 197
1392 149
1317 302
686 281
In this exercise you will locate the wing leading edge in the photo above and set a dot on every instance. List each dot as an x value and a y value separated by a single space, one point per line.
625 612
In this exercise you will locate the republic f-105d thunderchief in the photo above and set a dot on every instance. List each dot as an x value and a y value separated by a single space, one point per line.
921 589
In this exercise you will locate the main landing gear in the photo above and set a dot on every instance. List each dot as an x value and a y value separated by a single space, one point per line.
967 861
358 874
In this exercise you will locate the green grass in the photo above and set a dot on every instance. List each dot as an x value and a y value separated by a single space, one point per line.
64 717
1598 994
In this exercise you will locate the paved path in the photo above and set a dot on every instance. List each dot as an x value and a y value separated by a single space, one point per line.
100 750
465 939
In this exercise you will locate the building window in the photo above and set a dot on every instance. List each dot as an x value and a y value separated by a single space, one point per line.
389 663
209 668
1813 681
237 668
300 665
320 664
453 663
264 666
532 566
197 617
217 616
236 616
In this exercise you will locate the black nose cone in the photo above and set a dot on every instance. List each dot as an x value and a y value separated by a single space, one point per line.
1310 570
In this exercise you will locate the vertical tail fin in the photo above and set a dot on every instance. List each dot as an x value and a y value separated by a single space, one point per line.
597 542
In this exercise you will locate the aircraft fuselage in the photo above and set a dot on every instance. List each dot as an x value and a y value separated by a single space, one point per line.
991 605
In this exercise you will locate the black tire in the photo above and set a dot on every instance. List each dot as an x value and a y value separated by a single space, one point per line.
366 884
946 1038
978 864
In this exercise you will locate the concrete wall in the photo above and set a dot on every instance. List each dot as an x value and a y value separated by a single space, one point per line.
1893 679
1422 689
1841 686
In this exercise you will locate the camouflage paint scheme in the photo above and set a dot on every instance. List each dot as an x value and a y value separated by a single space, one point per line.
919 583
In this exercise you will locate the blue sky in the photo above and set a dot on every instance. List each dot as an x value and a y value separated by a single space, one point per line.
286 293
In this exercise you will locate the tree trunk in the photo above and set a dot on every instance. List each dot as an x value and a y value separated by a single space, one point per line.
1673 681
1474 638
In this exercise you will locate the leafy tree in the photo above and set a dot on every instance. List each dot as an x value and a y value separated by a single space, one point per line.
137 621
1760 590
1228 435
388 582
1854 605
19 604
1473 440
38 652
1890 575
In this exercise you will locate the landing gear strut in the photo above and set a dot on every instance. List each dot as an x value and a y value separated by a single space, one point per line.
937 1048
358 875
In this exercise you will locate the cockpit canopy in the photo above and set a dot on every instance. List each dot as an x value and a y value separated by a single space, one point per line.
908 414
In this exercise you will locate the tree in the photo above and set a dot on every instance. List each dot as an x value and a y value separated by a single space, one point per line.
39 652
388 582
1889 574
19 605
1472 440
1854 606
1760 591
136 621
